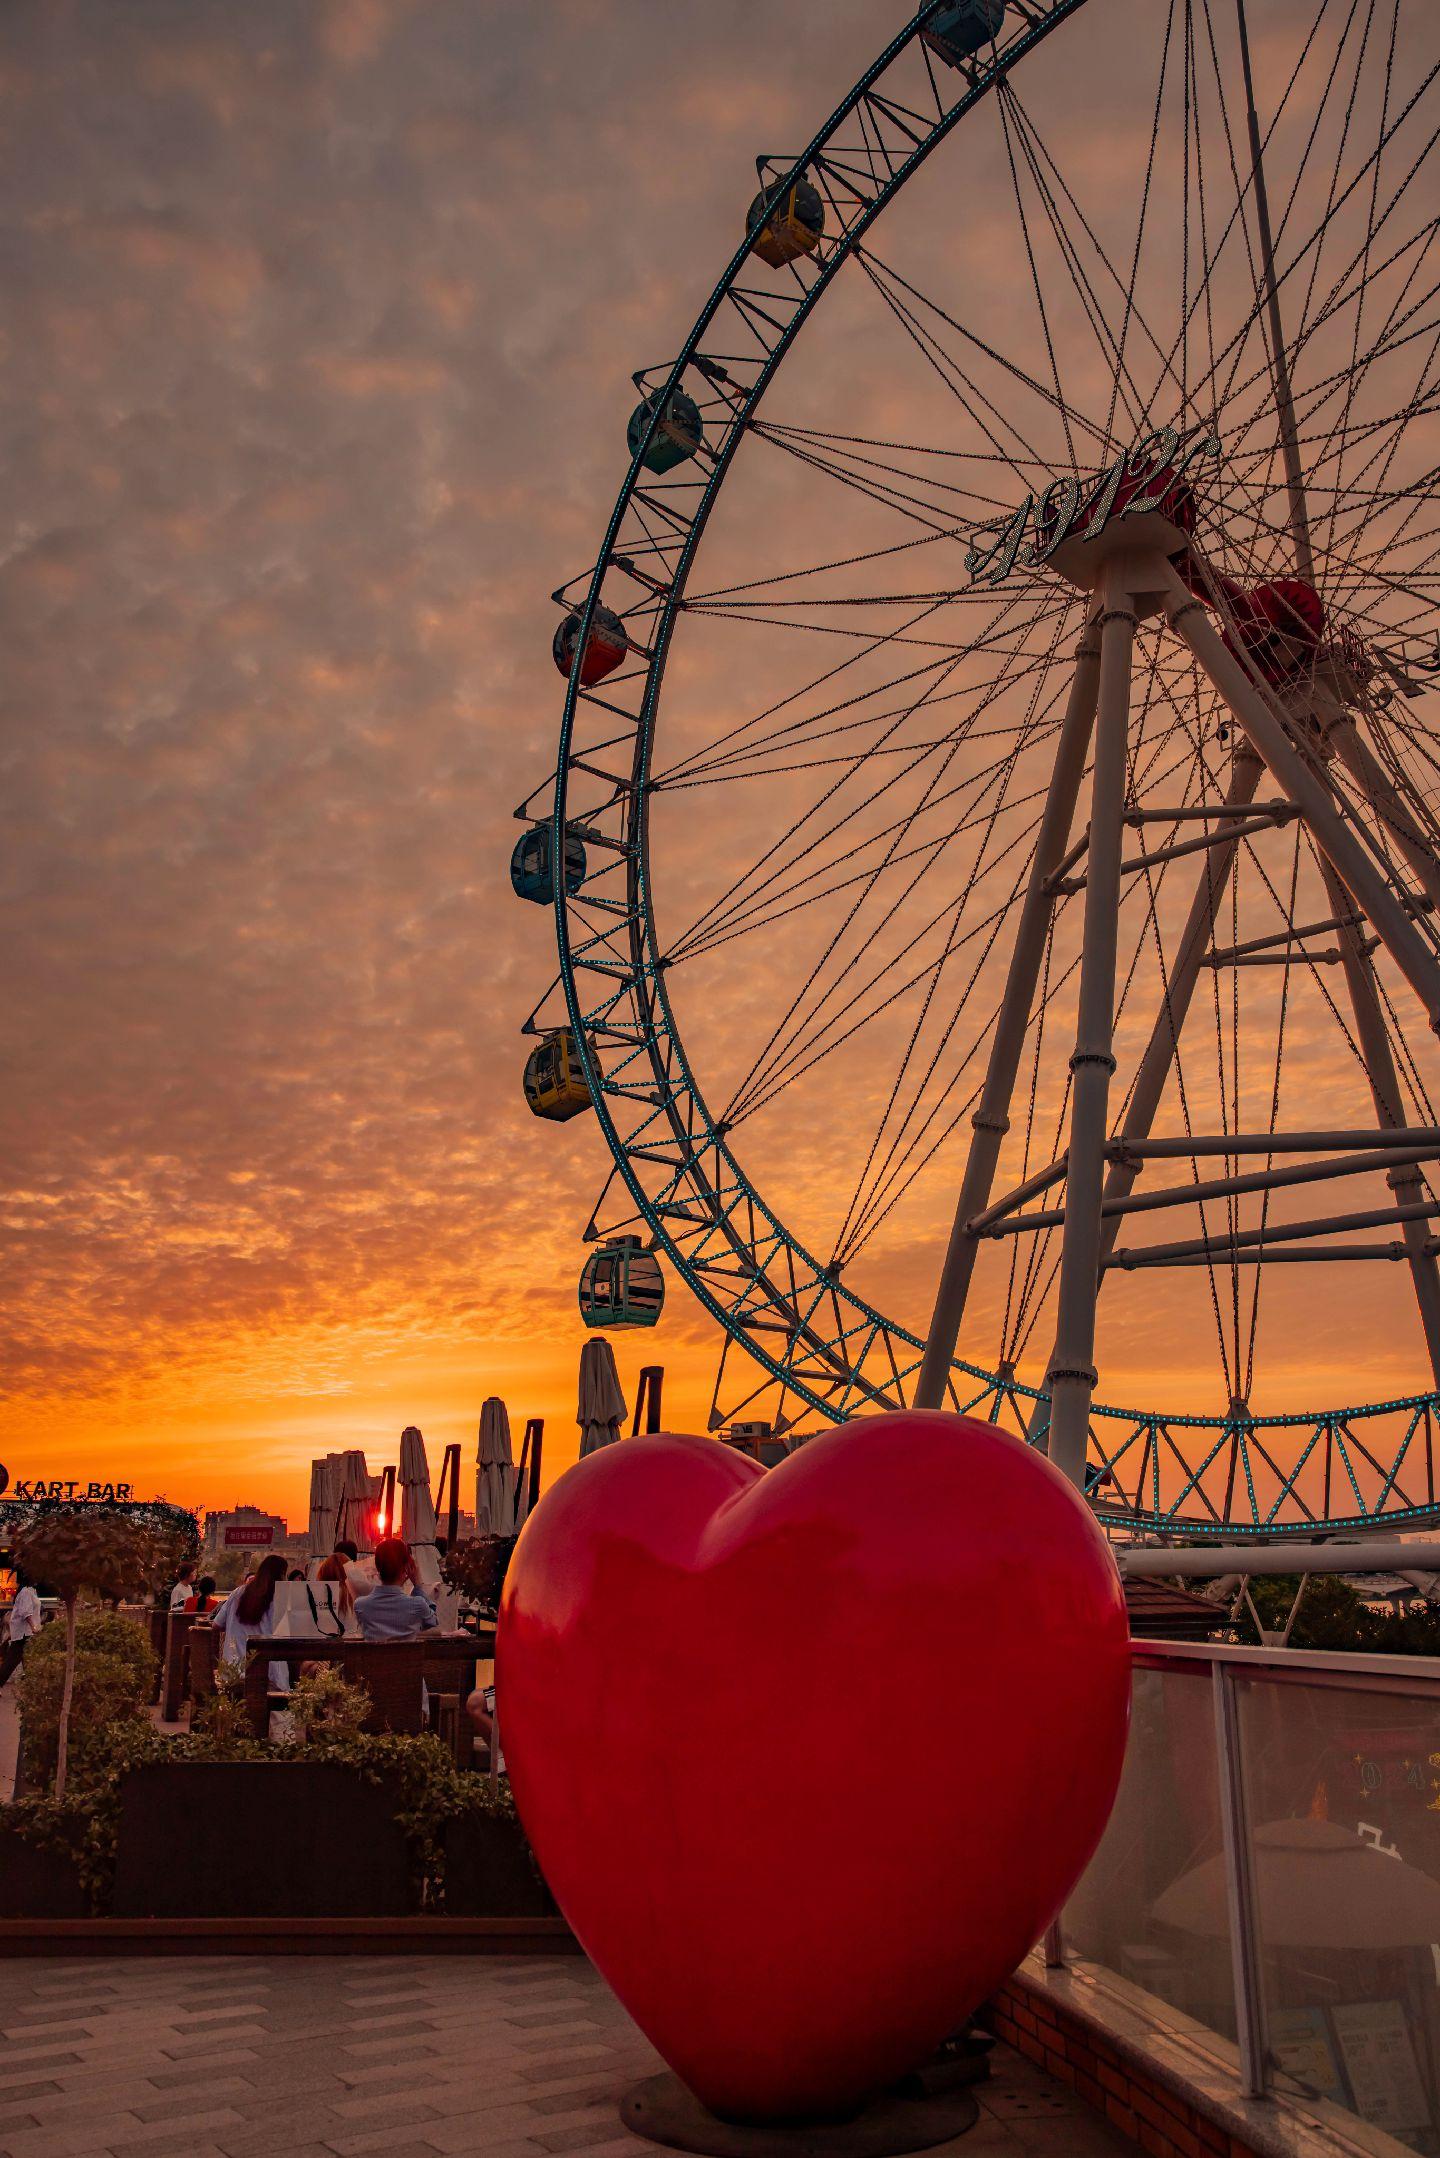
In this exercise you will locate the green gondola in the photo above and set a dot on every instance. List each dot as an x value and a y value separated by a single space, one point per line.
622 1285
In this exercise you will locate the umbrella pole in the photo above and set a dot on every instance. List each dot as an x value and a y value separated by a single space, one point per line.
647 1400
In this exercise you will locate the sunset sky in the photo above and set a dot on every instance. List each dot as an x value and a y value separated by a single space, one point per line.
315 360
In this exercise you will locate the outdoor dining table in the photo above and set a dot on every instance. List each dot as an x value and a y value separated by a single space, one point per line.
440 1655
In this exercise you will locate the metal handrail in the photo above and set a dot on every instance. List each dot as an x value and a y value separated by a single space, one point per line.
1421 1674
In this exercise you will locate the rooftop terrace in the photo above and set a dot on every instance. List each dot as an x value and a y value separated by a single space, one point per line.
332 2057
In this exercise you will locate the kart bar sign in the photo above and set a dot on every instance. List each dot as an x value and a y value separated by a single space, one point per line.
57 1487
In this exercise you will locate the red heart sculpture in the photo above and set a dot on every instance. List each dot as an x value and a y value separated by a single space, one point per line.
811 1757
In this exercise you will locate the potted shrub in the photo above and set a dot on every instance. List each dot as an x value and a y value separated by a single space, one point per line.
259 1838
42 1872
488 1869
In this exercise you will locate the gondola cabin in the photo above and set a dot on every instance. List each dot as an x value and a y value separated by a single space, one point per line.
555 1080
782 228
956 33
678 436
622 1285
530 865
605 647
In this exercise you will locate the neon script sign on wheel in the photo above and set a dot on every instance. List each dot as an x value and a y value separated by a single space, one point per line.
1150 478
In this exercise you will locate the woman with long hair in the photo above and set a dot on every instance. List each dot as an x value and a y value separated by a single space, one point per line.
245 1613
335 1571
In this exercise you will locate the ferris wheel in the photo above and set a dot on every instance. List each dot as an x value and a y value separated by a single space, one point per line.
996 875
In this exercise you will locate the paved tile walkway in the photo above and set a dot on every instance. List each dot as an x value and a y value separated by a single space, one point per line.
332 2057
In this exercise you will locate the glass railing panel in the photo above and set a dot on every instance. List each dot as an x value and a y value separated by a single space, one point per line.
1342 1788
1152 1904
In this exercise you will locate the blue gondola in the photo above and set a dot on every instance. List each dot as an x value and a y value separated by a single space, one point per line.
677 438
957 32
530 865
622 1285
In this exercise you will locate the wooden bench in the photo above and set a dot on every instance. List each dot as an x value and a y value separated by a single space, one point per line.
204 1648
175 1677
393 1672
156 1620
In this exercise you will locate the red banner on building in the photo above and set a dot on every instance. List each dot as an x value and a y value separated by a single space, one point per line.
234 1536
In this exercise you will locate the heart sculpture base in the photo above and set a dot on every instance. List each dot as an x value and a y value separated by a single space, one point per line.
664 2111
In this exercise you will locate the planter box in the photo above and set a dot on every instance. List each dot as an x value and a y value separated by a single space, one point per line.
258 1839
36 1883
489 1872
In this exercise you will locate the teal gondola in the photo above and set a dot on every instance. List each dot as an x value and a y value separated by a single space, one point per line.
679 435
530 865
957 32
621 1285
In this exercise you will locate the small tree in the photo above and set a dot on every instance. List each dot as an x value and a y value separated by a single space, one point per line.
72 1549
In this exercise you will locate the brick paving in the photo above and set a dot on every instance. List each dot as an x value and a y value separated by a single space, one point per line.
339 2056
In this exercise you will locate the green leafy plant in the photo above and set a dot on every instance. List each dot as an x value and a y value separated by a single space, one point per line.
477 1568
75 1548
102 1633
103 1692
1334 1615
323 1705
223 1718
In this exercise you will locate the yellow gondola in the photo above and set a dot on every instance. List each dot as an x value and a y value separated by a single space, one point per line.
791 227
554 1079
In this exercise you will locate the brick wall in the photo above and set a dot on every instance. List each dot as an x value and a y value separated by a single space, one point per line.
1158 2119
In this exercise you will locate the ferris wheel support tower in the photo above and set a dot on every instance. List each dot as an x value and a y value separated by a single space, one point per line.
1096 1201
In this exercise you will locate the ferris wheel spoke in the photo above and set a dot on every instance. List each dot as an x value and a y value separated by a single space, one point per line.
776 1057
817 808
978 407
807 890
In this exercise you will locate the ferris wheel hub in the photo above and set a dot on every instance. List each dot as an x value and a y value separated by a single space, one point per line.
1138 550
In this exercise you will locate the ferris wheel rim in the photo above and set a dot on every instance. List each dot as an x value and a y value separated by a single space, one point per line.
649 966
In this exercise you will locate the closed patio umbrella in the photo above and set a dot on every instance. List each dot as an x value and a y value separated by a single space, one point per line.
1317 1885
417 1507
495 1472
601 1407
357 1502
324 1506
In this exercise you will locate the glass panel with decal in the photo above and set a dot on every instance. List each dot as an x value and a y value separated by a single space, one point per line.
1344 1799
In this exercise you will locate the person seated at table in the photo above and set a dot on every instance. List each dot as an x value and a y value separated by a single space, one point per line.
245 1614
399 1607
480 1708
202 1601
